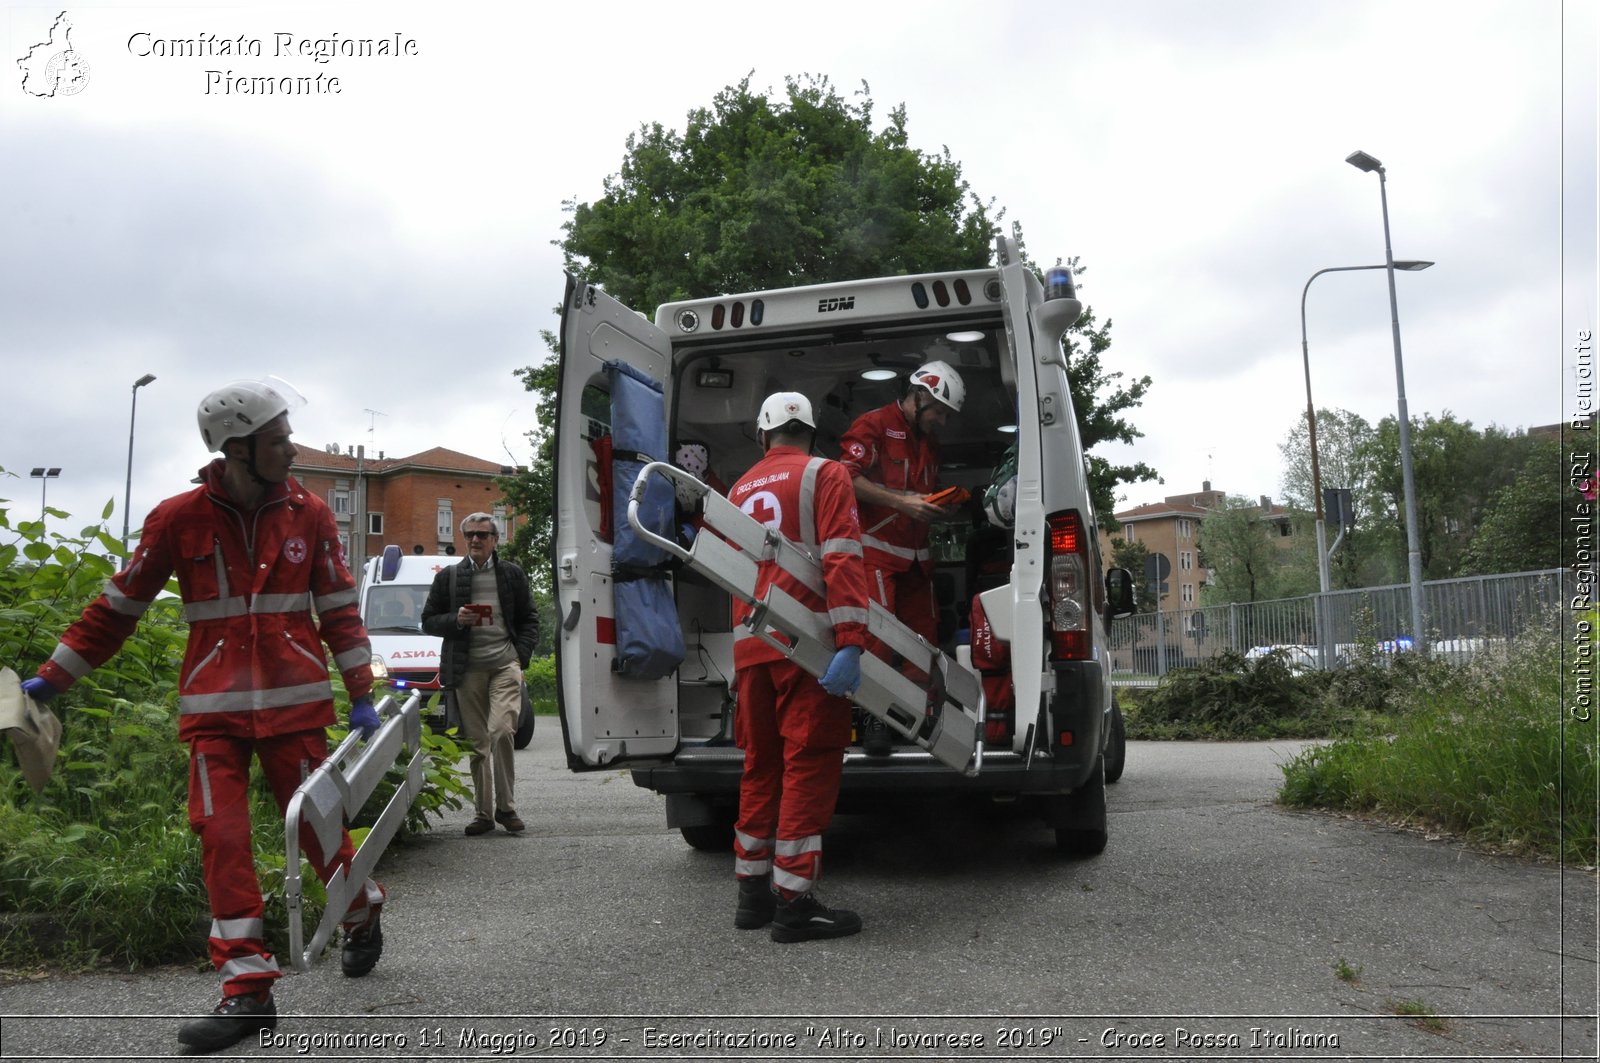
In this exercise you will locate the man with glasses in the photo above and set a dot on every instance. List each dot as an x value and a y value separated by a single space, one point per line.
482 609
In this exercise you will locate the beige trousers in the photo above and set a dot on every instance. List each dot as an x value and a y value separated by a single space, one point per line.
489 702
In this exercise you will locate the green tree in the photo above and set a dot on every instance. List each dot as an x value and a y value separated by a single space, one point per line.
1342 456
767 190
1522 521
1247 557
1457 469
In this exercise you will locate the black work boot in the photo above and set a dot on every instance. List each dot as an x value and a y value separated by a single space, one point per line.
805 919
229 1022
756 903
875 738
362 946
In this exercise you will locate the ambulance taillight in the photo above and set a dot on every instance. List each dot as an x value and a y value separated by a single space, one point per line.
1069 588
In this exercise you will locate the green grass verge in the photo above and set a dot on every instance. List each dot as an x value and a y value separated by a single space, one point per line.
1493 757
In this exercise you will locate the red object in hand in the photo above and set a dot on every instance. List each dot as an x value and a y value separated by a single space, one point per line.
950 496
481 614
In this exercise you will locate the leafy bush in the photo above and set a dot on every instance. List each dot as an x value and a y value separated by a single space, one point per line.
541 678
1231 696
102 865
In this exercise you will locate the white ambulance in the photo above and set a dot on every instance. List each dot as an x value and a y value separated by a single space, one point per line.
394 588
645 654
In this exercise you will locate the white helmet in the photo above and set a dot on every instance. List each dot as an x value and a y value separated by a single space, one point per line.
243 407
942 383
1000 504
782 407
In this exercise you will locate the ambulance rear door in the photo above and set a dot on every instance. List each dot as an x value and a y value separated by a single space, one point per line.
605 717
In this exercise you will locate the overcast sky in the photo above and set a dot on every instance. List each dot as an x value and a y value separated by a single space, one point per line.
388 248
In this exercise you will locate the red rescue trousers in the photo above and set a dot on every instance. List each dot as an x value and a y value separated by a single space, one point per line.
219 812
908 595
793 734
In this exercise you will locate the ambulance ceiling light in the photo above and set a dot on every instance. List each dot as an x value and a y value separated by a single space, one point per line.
963 337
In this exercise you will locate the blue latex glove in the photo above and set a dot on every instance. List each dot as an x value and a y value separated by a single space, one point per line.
686 534
363 717
844 672
38 689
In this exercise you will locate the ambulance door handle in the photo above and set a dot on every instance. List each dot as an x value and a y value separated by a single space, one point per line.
572 618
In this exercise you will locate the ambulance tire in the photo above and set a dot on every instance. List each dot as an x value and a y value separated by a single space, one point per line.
1080 817
1116 746
710 837
524 733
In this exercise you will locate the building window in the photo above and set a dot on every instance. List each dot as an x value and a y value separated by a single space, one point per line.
1188 593
1185 528
1128 534
447 521
339 502
1185 560
374 523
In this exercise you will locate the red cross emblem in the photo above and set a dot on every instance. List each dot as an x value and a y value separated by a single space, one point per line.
765 508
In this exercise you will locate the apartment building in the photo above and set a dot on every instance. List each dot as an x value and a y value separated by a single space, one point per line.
414 502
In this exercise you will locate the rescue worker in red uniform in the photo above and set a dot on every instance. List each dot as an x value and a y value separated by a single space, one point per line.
793 727
893 455
264 584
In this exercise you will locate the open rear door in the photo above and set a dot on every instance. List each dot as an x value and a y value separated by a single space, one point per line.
606 716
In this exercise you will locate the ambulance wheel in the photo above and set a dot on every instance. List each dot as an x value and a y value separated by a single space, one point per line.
1077 841
1116 746
709 837
524 733
1080 817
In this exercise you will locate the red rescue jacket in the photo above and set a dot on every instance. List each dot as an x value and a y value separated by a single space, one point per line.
810 501
881 447
261 592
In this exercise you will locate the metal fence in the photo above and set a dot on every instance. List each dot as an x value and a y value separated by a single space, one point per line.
1464 617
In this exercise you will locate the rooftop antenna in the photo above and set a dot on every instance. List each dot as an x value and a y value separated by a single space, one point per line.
372 423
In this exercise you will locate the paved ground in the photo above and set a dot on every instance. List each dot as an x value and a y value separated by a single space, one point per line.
1213 927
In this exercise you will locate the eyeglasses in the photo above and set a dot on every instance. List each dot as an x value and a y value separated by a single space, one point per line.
479 534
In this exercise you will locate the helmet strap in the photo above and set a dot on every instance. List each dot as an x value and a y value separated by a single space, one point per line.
250 462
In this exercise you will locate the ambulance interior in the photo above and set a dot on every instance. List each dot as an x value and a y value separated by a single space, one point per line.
717 388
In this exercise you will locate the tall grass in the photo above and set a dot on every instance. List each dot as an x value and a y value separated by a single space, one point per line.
1493 756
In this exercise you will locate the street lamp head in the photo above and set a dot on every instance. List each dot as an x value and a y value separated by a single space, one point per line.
1362 161
1412 265
142 381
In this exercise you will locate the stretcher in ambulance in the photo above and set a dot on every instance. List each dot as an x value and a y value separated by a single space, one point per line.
648 558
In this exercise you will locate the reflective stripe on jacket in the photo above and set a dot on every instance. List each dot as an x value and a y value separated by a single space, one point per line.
262 591
811 502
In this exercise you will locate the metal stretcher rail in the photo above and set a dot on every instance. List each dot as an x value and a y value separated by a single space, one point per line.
945 719
334 793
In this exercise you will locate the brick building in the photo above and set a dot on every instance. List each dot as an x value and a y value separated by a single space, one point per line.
1170 529
410 502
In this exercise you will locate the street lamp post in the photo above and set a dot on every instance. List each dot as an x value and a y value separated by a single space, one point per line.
1324 576
1366 163
127 497
44 476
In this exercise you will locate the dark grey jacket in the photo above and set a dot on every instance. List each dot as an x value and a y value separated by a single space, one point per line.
452 588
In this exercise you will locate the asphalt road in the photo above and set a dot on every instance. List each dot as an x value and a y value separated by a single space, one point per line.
1214 926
